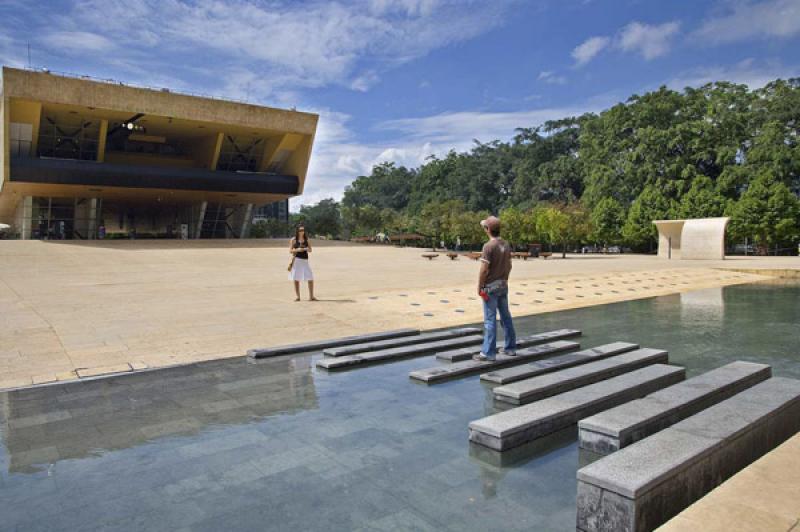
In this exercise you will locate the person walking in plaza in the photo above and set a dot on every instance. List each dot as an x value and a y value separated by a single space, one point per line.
299 269
493 289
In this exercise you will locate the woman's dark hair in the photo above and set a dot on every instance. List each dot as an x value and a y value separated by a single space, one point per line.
297 234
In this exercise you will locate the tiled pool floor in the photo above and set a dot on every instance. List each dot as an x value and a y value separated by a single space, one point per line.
278 445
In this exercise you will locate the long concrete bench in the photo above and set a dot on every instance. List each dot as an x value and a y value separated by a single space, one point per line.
536 388
623 425
466 353
333 342
332 363
470 367
643 485
525 371
527 423
398 342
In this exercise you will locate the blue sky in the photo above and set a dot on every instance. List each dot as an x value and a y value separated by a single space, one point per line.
403 79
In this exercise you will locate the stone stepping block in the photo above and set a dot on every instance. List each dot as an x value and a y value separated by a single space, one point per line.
465 353
530 422
324 344
645 484
537 388
398 342
525 371
470 367
393 353
609 431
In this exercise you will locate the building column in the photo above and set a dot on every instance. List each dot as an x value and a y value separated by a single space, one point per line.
101 141
203 207
248 218
94 211
25 217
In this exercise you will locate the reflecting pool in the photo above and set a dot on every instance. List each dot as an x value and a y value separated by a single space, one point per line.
277 445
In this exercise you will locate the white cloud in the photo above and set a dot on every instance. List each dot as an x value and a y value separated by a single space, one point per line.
747 72
586 51
78 41
303 44
365 81
649 41
551 78
12 53
752 20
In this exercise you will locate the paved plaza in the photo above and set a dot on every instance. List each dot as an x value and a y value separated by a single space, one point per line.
70 310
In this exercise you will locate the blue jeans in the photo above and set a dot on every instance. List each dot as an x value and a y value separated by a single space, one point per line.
497 302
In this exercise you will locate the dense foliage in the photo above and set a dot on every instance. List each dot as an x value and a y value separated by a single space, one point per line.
721 149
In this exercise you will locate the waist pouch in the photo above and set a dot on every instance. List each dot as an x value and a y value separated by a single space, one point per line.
497 288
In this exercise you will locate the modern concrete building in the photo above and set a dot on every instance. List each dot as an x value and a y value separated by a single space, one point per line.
84 158
697 238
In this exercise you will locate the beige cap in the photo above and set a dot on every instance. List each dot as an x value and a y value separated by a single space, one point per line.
492 223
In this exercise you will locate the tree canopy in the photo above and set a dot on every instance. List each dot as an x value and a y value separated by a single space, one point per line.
720 149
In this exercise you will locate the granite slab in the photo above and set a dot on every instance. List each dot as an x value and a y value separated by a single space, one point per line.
529 422
333 342
537 388
398 342
621 426
646 483
471 367
518 373
394 353
466 353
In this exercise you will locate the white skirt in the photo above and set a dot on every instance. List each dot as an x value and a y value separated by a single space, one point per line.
301 271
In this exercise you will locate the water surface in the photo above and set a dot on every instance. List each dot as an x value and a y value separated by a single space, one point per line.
277 445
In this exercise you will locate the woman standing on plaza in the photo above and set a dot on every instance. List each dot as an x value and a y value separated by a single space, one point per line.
299 270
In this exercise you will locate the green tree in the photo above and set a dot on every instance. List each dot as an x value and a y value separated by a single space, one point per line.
565 225
651 205
517 228
323 218
271 228
466 226
362 221
606 220
768 213
388 186
702 201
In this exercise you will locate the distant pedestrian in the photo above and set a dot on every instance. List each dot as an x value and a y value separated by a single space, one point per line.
299 269
493 289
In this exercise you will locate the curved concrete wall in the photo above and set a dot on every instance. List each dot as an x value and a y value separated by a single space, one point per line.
669 238
704 238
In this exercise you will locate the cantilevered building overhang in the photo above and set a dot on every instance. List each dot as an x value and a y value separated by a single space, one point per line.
116 158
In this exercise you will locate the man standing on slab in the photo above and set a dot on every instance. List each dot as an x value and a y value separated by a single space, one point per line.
493 289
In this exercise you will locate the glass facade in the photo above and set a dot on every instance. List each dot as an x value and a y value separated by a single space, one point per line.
275 211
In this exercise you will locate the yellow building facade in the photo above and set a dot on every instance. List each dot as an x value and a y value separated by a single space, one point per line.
87 159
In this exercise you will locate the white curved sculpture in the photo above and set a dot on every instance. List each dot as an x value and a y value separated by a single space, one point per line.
697 238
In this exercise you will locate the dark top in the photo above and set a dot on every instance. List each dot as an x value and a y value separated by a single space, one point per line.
497 254
300 254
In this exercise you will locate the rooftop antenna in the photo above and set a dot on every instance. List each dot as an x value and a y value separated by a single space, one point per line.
30 66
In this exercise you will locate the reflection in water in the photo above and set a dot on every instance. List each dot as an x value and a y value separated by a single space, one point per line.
89 418
703 306
495 465
276 445
518 456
